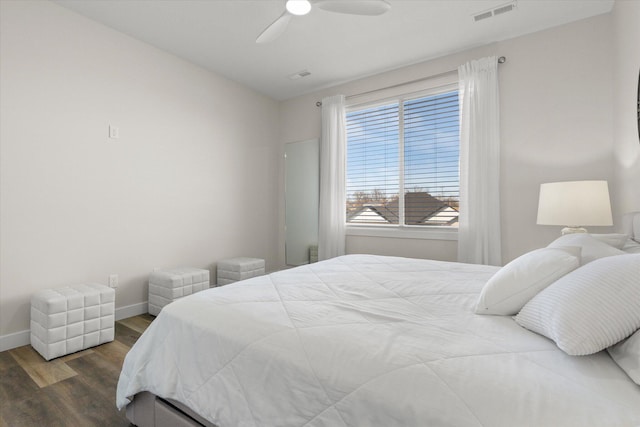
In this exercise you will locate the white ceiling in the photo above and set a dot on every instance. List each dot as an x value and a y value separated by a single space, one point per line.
220 35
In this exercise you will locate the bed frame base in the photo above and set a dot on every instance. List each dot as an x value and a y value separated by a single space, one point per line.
148 410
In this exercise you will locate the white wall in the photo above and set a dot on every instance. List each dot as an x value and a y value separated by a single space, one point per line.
555 125
626 36
194 162
556 121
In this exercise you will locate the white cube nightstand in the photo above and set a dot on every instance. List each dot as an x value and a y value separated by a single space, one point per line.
71 319
166 286
235 269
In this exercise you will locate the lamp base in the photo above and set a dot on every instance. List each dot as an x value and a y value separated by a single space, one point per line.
572 230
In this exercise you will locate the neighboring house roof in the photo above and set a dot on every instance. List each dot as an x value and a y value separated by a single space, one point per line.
421 208
369 214
445 216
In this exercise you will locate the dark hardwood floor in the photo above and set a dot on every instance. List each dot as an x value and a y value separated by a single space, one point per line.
74 390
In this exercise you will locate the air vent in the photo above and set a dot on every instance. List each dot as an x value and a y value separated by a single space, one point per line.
502 9
482 16
299 75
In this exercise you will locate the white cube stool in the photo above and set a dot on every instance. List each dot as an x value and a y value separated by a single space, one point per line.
166 286
235 269
71 319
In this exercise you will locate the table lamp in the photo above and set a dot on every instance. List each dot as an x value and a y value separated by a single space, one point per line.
574 204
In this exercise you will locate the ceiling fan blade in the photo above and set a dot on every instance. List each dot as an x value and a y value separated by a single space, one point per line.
355 7
276 28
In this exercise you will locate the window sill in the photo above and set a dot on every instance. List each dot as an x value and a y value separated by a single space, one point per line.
426 233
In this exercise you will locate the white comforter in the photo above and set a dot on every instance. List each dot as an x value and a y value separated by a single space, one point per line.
368 341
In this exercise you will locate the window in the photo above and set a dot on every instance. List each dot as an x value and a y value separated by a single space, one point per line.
404 146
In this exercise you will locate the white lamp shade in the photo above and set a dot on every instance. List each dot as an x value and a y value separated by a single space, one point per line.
575 203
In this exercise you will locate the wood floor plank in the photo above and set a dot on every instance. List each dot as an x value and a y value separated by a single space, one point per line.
98 373
26 355
42 372
74 390
101 376
76 355
126 335
114 352
15 385
137 323
7 361
86 407
38 410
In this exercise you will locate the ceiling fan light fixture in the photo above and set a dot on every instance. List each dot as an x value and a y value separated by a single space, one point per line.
298 7
302 7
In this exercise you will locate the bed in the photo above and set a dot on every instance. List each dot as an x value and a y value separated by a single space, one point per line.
364 340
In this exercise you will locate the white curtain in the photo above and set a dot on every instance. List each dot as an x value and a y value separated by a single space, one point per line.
332 215
479 232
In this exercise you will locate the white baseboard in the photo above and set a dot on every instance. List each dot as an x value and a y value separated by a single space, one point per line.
131 310
18 339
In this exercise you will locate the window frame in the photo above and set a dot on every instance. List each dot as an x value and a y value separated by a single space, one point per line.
430 232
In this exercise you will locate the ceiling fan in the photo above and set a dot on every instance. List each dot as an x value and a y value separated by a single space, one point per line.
302 7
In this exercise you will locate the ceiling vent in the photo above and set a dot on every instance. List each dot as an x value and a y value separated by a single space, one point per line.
299 75
502 9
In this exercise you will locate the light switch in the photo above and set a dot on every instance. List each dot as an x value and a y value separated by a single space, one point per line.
114 132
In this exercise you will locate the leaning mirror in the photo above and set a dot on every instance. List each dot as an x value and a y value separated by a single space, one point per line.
302 194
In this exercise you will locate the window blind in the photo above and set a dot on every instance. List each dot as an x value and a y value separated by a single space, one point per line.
372 164
408 147
431 157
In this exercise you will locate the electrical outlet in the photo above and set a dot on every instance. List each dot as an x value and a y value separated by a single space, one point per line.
113 281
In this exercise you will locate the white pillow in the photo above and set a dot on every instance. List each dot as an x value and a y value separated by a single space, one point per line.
616 240
631 247
592 248
520 280
635 227
627 355
590 308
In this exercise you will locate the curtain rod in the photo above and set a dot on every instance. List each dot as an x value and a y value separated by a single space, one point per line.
501 60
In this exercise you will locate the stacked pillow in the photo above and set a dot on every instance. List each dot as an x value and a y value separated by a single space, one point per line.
627 356
520 280
616 240
631 247
593 248
590 309
582 292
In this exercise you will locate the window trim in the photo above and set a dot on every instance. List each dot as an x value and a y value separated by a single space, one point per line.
402 94
427 232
